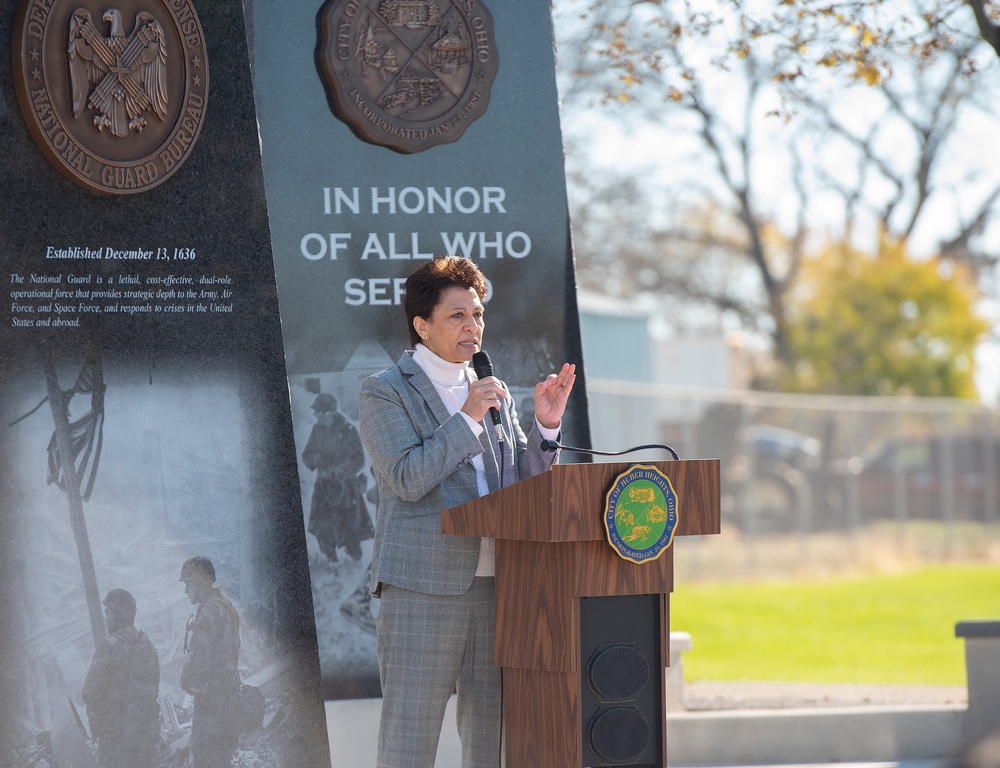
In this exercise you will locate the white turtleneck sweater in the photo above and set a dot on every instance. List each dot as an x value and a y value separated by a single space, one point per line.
452 383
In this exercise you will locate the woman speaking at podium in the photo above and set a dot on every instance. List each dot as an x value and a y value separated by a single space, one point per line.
427 425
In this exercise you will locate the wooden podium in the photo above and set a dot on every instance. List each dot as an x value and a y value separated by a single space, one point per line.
561 587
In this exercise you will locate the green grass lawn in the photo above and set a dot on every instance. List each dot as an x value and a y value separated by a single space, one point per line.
895 629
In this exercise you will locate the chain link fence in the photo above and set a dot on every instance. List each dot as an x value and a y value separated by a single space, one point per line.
827 473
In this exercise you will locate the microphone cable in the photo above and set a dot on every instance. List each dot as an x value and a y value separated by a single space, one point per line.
500 443
500 748
554 445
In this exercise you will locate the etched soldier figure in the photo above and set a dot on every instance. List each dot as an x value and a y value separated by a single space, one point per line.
338 515
121 689
211 673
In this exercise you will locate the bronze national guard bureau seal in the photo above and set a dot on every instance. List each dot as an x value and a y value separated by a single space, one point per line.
115 97
407 74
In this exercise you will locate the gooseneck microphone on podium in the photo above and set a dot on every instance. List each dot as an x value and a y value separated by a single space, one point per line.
553 445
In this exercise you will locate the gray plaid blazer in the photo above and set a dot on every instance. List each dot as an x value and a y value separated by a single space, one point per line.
422 460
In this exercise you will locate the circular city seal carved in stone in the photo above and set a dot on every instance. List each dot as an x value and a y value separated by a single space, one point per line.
115 97
408 74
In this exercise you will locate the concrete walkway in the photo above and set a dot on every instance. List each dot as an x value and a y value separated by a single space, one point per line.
743 724
714 696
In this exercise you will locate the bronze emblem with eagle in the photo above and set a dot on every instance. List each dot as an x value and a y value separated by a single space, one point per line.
114 97
120 77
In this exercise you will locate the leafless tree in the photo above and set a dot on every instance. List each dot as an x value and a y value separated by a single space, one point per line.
759 158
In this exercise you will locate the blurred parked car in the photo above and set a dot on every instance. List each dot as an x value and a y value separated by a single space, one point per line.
939 476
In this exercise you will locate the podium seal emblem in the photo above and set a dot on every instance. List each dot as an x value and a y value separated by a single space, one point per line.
114 97
640 513
407 74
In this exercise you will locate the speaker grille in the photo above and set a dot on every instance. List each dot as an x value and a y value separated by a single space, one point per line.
618 735
617 672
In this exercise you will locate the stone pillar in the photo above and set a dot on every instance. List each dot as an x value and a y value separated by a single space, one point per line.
679 643
982 665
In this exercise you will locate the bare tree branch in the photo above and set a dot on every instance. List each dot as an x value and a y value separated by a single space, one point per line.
989 31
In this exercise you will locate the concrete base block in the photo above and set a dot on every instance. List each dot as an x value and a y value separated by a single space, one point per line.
982 665
848 734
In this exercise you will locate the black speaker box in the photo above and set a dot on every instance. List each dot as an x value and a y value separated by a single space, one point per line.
622 715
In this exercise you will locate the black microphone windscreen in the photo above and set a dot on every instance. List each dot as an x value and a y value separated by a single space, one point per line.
483 367
482 364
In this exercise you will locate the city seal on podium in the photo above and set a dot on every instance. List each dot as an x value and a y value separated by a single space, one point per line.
407 74
640 513
115 97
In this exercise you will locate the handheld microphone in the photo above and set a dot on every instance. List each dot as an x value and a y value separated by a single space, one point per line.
483 367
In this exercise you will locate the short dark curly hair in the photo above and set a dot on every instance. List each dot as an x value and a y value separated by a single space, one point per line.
426 283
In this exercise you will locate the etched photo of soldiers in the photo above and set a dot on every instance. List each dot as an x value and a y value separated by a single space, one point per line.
338 515
155 609
339 499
